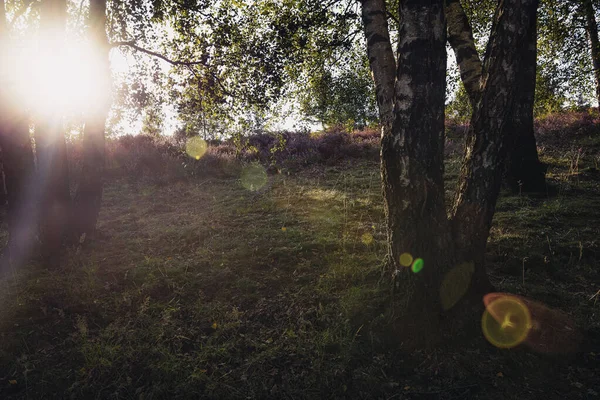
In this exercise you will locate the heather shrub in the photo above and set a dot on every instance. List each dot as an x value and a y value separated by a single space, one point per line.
575 123
163 159
561 130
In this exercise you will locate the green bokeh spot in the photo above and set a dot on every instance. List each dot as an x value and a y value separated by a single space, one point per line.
418 265
254 177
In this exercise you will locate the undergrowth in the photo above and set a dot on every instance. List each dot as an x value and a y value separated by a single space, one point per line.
200 288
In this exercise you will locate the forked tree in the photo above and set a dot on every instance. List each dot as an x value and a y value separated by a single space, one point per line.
410 95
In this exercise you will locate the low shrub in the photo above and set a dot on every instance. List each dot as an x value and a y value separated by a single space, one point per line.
164 159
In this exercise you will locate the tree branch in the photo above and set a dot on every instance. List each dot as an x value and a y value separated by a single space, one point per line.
157 55
188 64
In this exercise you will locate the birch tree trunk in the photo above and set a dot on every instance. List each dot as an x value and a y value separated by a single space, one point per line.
481 174
523 170
88 197
381 58
460 37
412 161
412 167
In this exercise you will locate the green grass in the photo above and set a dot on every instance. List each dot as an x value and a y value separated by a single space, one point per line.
203 289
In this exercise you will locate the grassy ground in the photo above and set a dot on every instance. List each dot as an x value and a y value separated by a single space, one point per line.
204 289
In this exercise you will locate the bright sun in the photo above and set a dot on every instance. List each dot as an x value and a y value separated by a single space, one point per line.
53 79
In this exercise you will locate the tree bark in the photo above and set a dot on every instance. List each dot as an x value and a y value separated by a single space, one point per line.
381 58
481 175
412 167
592 33
460 37
412 155
412 163
523 170
50 145
17 160
88 197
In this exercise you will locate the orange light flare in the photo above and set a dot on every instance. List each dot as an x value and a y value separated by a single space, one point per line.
547 330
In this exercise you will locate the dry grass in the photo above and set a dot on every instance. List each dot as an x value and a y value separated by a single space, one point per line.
203 289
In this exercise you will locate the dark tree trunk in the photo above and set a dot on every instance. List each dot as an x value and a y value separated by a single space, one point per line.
412 157
592 33
18 180
412 161
89 192
2 188
412 165
50 146
55 200
481 174
18 166
524 171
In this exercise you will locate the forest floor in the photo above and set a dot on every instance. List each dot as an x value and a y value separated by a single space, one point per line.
204 289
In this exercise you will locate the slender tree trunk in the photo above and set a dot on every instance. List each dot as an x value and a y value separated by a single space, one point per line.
460 37
51 150
18 180
89 192
592 33
381 58
18 166
524 171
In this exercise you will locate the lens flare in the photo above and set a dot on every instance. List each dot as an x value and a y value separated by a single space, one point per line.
418 265
366 238
550 330
254 177
196 147
455 284
406 259
506 322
